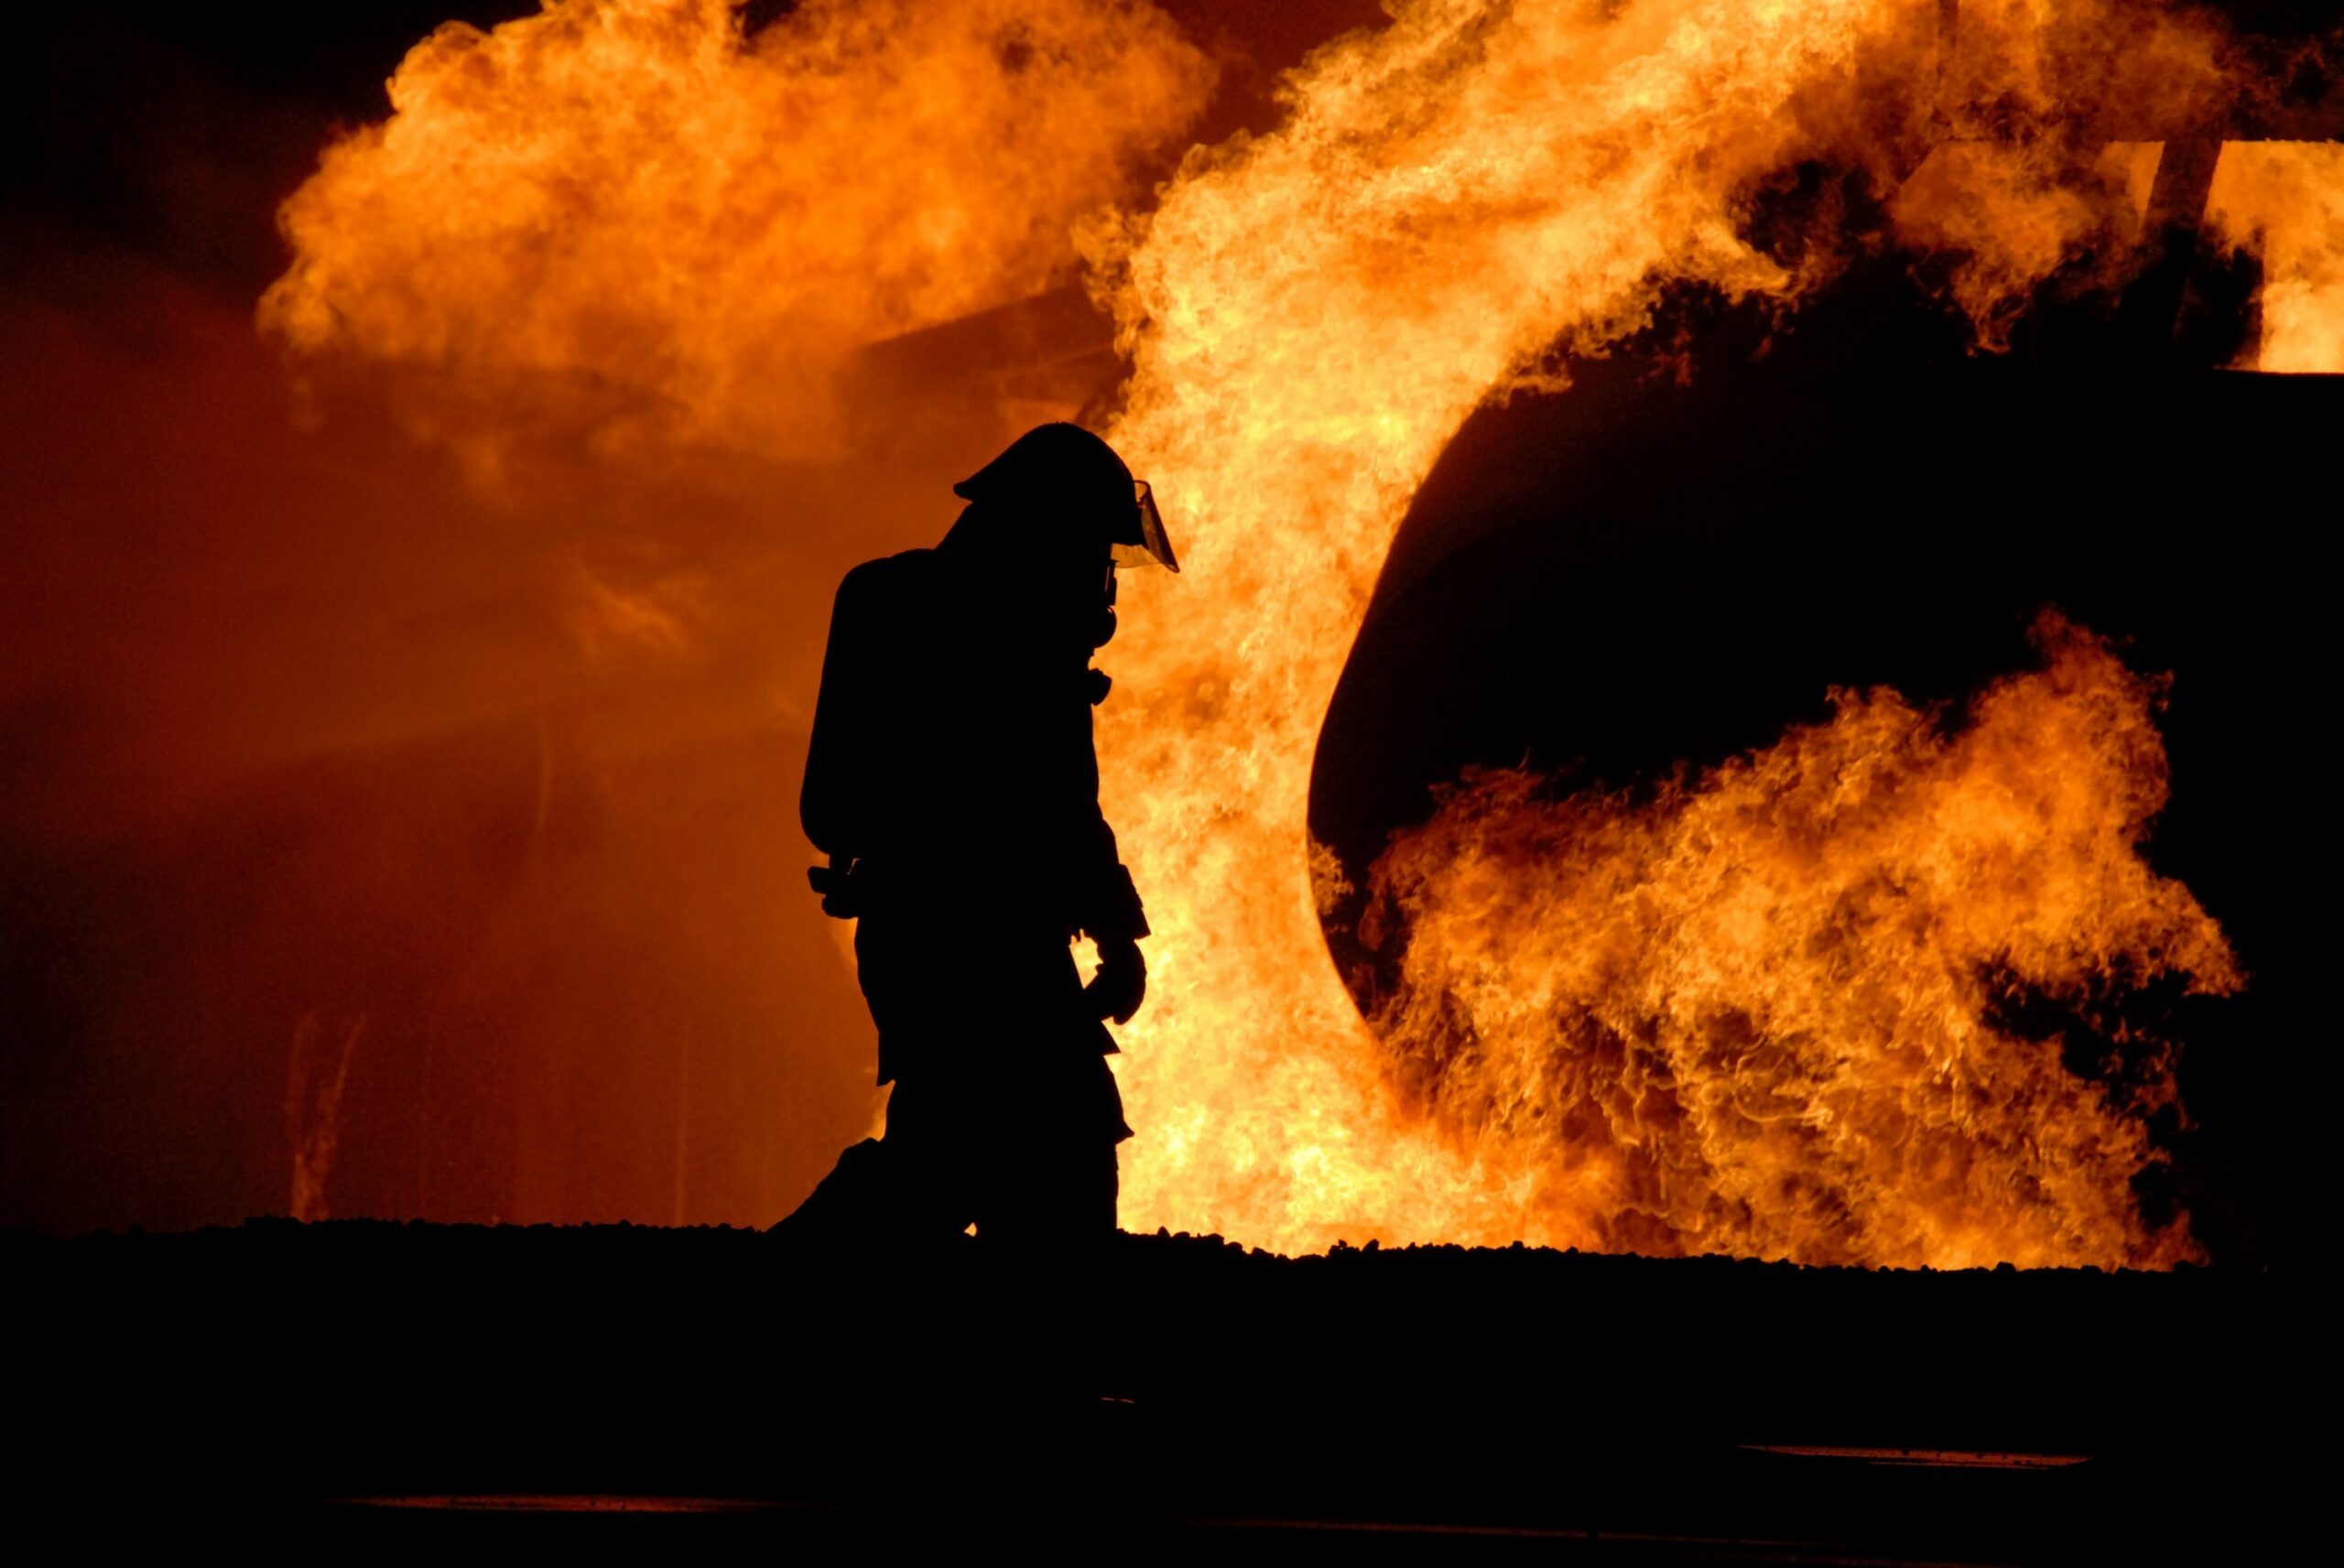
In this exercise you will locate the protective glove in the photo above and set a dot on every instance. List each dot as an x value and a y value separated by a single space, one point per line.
1121 984
841 895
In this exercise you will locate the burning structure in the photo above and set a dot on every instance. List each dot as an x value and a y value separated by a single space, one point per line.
1892 982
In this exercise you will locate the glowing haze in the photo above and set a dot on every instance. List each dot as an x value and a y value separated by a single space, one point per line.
631 198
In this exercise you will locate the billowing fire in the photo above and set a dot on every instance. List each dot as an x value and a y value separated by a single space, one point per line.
682 232
1757 1014
1311 317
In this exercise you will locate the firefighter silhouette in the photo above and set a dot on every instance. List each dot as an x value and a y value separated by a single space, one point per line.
953 782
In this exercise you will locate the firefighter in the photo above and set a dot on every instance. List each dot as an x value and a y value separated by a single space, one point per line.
953 782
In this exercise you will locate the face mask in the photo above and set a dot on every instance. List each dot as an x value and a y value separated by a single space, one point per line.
1102 629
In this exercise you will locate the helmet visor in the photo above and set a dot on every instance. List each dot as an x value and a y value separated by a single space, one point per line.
1154 545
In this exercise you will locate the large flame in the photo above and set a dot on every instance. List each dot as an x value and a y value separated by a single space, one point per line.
695 227
1759 1015
631 195
1311 317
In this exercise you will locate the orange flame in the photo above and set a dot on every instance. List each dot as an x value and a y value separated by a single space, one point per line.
1311 316
627 199
2285 201
694 228
2013 222
1757 1015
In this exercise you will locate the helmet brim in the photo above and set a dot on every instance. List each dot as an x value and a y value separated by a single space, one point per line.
1154 545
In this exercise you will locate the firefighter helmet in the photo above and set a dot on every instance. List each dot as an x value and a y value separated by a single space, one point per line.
1070 476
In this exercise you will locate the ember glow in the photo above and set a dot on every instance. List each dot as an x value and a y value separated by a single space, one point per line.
1757 1014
